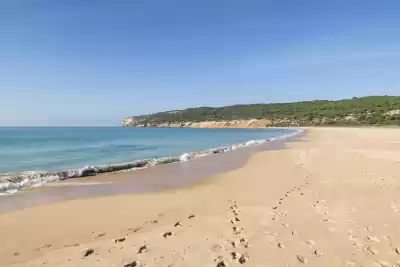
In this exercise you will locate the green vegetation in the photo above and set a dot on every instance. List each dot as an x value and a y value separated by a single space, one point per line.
371 110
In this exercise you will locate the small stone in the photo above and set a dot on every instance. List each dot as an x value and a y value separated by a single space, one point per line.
285 225
275 208
233 243
280 245
16 254
177 224
191 216
301 259
88 252
397 250
120 240
154 221
294 232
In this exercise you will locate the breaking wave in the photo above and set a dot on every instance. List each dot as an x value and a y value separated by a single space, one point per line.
11 183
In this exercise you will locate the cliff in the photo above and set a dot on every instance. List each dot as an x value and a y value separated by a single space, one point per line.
372 110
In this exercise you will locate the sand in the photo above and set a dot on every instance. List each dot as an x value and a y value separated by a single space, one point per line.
328 199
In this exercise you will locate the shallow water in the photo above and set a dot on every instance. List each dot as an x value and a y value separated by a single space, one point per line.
30 156
50 149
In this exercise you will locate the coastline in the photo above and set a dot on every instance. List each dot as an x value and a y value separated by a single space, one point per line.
11 183
160 177
310 203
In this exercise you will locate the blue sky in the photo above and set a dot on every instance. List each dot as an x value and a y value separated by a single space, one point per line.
95 62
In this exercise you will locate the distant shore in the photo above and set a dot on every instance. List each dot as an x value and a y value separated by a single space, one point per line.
327 199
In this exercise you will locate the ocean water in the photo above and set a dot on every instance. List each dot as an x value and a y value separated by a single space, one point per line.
27 154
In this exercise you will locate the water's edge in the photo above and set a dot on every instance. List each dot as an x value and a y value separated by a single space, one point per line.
11 183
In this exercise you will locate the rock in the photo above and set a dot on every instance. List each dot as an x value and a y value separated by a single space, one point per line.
191 216
88 252
177 224
397 250
280 245
221 264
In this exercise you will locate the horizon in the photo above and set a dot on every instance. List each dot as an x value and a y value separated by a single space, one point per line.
94 63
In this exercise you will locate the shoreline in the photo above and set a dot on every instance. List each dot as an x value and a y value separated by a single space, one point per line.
329 198
12 182
141 180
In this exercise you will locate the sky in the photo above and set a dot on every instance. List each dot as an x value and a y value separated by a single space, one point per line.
95 62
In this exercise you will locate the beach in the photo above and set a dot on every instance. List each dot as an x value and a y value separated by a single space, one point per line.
328 198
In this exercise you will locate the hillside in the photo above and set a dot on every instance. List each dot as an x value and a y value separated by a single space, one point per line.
370 110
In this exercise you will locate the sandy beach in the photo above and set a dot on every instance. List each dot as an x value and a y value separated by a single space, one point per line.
331 198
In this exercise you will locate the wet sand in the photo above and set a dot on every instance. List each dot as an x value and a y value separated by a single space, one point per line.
328 199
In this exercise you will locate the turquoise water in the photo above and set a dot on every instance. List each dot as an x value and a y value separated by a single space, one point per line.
50 149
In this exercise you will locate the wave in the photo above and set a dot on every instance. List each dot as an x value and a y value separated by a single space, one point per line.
11 183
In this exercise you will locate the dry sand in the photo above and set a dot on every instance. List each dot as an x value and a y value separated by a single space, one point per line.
329 199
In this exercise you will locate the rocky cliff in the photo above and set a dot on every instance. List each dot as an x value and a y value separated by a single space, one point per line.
132 122
370 110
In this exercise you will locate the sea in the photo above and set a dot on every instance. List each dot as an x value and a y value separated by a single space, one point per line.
31 157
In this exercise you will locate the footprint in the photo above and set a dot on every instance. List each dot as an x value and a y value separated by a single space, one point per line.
237 230
235 220
301 259
87 252
318 253
132 264
142 249
221 264
119 240
311 243
167 234
134 229
241 258
373 239
101 235
216 248
371 250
